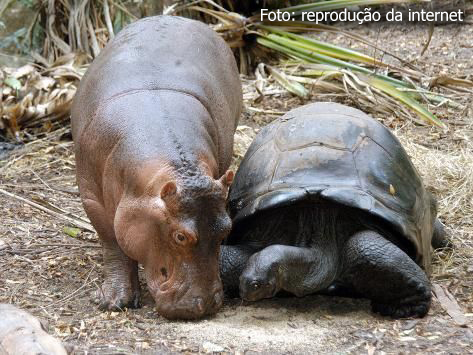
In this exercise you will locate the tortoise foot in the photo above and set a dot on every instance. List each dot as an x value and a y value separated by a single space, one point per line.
383 273
402 310
414 306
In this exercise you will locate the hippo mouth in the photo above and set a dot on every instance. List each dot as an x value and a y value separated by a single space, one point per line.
184 305
176 298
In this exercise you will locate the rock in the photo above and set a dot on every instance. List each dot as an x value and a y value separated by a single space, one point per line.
22 333
209 347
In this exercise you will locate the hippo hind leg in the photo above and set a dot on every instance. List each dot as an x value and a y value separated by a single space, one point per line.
121 287
380 271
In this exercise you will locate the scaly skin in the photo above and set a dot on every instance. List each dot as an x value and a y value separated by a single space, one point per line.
297 270
383 273
362 263
233 259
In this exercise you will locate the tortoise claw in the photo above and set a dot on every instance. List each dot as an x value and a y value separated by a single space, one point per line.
402 310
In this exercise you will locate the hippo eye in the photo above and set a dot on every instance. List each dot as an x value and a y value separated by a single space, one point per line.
184 238
179 238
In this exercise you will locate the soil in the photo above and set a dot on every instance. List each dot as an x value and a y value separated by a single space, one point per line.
52 271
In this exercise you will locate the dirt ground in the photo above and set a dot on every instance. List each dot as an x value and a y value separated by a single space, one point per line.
48 270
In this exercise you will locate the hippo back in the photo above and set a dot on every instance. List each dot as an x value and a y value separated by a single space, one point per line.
340 154
165 53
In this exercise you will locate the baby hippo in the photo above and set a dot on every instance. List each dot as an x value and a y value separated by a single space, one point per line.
153 123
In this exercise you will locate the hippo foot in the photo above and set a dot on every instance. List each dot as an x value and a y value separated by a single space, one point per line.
121 286
403 310
111 299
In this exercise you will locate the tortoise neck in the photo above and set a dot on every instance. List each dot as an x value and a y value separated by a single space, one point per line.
324 267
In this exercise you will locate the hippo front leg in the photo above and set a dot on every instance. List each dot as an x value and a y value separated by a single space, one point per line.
121 285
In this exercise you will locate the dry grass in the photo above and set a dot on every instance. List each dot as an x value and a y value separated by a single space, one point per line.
447 171
37 100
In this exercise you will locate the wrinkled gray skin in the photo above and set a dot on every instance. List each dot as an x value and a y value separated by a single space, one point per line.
329 249
290 234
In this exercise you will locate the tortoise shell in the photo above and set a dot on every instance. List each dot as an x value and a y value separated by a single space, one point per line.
340 154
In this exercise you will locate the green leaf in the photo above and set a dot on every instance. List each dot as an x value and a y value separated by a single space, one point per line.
297 50
407 99
71 231
290 85
118 22
327 48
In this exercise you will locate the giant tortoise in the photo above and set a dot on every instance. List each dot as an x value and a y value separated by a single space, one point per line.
326 199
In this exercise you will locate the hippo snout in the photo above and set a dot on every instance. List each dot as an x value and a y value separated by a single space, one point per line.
190 306
202 308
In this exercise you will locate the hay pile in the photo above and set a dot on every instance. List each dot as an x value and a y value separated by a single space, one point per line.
34 100
64 35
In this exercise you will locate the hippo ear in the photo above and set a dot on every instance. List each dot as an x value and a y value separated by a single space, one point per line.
227 178
169 189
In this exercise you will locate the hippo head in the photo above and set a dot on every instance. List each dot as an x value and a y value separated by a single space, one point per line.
175 231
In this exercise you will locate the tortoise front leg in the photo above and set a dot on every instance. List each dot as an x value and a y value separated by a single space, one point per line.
297 270
380 271
232 261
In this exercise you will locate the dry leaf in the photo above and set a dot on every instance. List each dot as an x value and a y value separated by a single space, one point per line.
449 303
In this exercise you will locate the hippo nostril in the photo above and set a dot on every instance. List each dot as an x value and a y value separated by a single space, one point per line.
164 272
199 304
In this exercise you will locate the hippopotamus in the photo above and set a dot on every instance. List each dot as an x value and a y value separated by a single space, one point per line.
153 123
